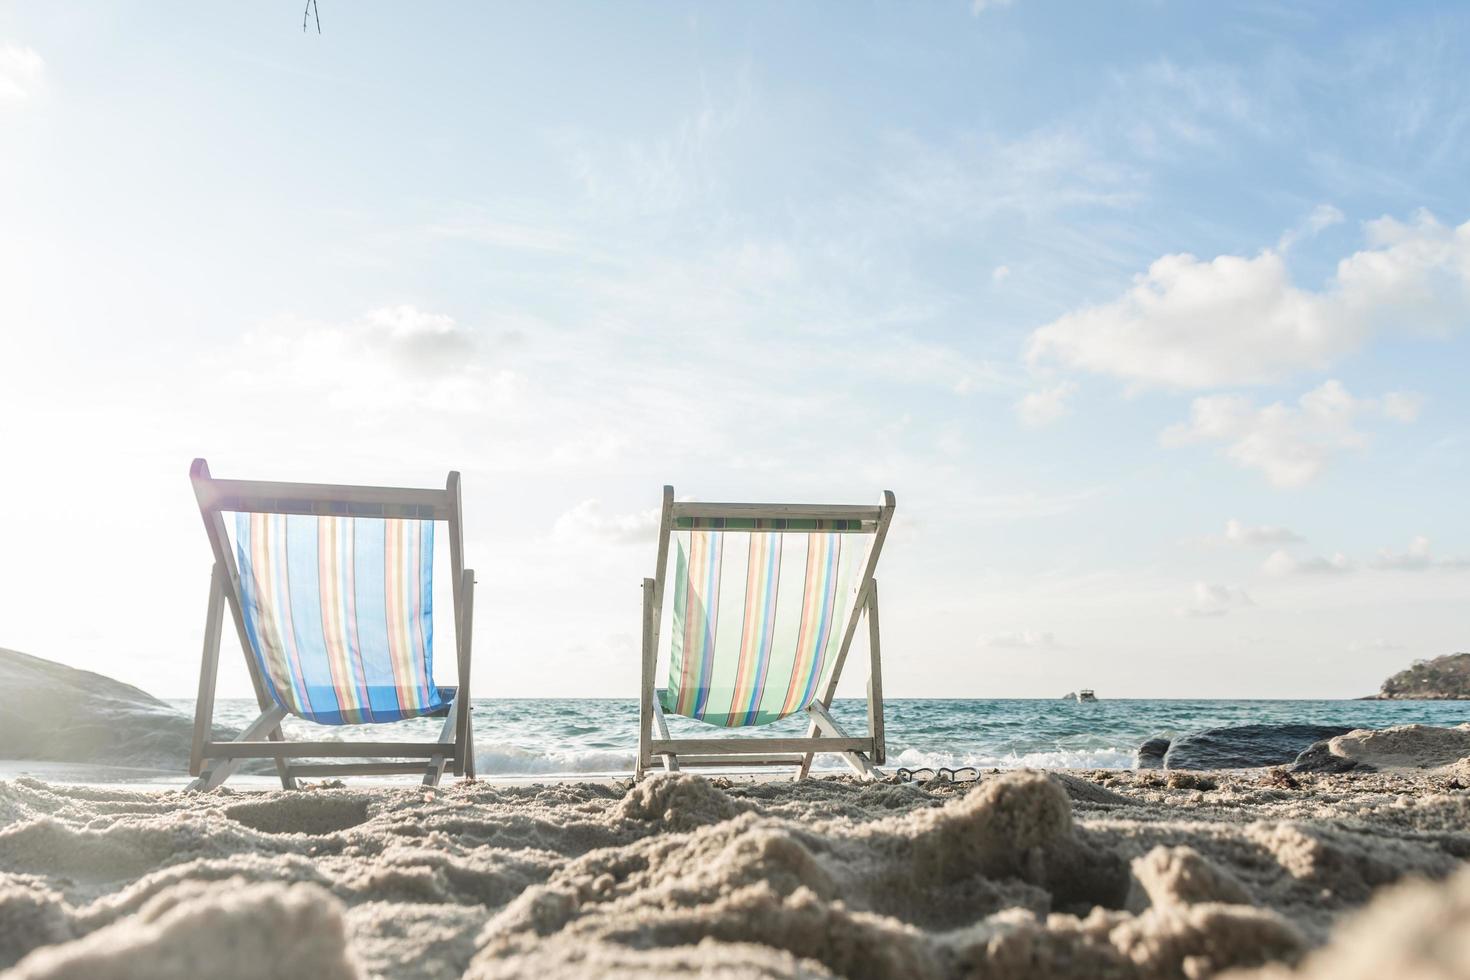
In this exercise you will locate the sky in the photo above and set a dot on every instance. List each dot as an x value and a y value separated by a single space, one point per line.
1152 314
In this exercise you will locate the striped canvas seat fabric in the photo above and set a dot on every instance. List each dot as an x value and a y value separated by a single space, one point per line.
758 620
339 611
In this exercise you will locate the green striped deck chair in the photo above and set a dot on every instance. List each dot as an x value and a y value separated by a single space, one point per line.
765 600
331 592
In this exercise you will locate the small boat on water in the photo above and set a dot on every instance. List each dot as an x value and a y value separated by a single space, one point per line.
1083 695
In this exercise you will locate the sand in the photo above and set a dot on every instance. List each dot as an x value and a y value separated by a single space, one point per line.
1068 875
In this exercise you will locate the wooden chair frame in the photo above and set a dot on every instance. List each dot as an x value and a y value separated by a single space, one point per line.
213 762
862 753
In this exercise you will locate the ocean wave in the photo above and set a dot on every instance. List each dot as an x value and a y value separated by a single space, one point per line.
502 760
1101 758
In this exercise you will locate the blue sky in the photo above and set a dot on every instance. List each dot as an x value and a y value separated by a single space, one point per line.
1152 315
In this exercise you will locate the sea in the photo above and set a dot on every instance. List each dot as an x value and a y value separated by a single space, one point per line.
562 736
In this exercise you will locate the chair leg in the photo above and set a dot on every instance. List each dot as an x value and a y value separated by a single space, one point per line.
645 683
283 766
875 680
823 721
446 736
468 727
661 729
464 632
208 671
211 777
218 770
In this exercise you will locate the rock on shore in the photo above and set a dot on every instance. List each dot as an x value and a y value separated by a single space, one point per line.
1403 747
60 714
1245 746
1151 753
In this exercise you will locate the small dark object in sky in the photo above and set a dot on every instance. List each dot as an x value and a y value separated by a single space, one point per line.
311 8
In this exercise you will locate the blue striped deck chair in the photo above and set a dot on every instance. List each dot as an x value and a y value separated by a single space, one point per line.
766 600
331 592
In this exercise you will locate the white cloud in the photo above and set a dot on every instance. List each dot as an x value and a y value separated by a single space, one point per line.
1258 535
1195 324
1283 563
1291 445
21 73
1404 406
1324 216
389 358
978 7
422 341
1021 640
1416 276
1233 320
588 520
1417 558
1044 407
1212 600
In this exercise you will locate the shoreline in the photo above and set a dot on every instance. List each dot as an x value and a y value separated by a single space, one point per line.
1238 749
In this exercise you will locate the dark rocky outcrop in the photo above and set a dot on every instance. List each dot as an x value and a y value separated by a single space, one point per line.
1444 678
1151 753
57 713
1398 748
1245 746
1319 757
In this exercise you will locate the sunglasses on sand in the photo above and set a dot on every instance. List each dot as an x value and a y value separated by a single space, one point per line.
964 774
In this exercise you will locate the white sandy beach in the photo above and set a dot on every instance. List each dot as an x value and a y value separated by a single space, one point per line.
1085 874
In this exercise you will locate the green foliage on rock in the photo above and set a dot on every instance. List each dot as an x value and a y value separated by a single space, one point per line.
1444 678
